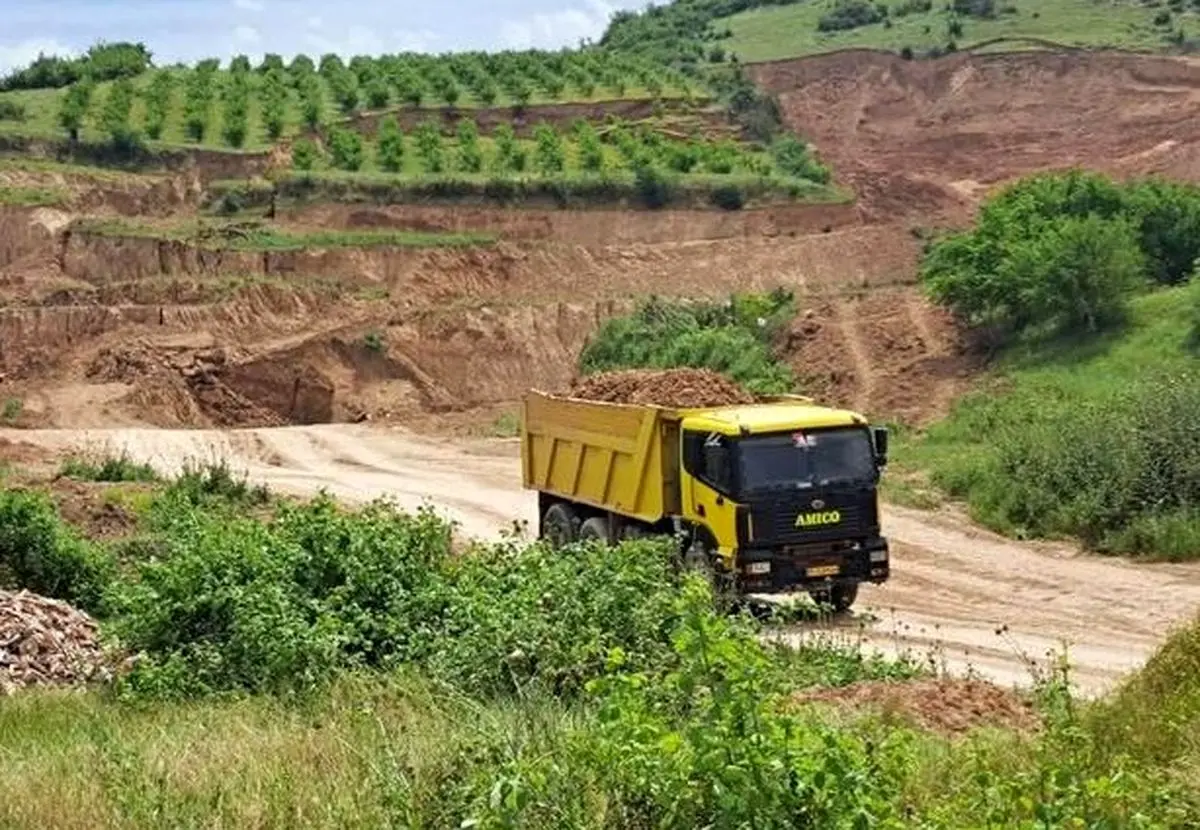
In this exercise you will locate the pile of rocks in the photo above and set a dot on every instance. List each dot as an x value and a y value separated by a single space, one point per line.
46 642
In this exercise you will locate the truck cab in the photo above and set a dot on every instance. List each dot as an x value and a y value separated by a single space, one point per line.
786 497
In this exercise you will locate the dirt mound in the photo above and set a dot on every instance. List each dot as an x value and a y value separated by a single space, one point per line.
46 642
949 706
681 388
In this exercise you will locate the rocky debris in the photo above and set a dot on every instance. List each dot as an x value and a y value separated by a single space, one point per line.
679 388
945 705
129 364
46 642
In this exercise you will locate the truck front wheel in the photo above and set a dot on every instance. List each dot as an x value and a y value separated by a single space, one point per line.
560 525
841 597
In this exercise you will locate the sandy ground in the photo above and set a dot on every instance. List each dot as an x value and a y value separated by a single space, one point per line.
970 600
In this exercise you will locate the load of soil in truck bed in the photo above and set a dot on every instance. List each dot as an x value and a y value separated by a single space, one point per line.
676 388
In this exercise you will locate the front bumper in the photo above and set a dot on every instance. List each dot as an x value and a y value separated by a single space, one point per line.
813 567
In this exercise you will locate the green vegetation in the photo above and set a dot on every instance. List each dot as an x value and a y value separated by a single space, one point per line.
620 163
109 468
734 338
1090 429
240 106
102 62
254 236
693 33
343 667
33 196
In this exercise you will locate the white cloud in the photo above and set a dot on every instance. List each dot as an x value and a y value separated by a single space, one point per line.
16 55
554 29
403 40
246 35
248 5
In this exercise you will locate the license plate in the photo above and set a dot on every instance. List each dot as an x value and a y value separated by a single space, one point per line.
758 568
823 570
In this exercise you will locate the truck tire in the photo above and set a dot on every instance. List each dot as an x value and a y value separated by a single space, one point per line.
595 528
843 596
560 525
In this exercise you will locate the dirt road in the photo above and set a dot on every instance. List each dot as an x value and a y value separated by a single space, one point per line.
954 586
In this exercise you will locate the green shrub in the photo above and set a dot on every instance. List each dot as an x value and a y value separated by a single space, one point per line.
1052 252
1192 299
851 14
1168 218
48 557
74 107
305 154
727 339
346 149
111 468
391 145
158 103
470 157
428 139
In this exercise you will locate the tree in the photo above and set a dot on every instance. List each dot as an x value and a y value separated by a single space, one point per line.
591 150
274 95
305 154
236 117
158 103
429 147
510 157
390 151
312 101
346 149
74 107
470 157
197 102
1067 274
116 115
548 153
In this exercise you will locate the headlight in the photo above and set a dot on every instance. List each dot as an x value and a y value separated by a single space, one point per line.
879 555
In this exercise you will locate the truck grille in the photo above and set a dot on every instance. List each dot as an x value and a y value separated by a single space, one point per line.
775 522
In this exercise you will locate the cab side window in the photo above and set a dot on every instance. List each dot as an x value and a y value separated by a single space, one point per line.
710 462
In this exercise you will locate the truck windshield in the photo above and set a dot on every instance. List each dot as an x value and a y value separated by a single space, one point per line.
804 460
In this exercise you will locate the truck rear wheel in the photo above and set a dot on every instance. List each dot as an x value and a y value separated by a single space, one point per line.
595 528
560 525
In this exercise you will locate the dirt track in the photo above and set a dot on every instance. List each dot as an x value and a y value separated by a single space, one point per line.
954 585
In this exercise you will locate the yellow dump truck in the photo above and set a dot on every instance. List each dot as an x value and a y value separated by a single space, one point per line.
771 497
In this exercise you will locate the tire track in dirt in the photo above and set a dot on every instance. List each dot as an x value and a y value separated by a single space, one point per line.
954 586
863 373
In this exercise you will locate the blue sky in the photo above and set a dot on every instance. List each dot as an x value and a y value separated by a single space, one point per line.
191 29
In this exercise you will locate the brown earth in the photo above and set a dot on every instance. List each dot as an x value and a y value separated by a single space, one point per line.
677 388
946 705
922 139
46 642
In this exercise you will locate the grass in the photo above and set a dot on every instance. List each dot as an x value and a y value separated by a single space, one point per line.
255 237
107 468
1058 388
604 692
778 32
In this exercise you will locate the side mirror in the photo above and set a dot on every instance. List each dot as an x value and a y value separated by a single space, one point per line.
879 436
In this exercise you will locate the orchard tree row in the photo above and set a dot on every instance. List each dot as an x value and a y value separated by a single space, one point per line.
307 94
551 153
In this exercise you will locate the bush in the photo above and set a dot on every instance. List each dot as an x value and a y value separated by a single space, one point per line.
12 111
74 107
851 14
117 113
112 468
305 154
1193 304
1056 253
345 149
734 339
391 145
794 157
158 103
470 157
428 139
46 556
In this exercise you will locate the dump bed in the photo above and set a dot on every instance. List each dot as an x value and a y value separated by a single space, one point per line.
619 457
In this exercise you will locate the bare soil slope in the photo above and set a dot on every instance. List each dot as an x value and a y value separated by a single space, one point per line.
918 138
